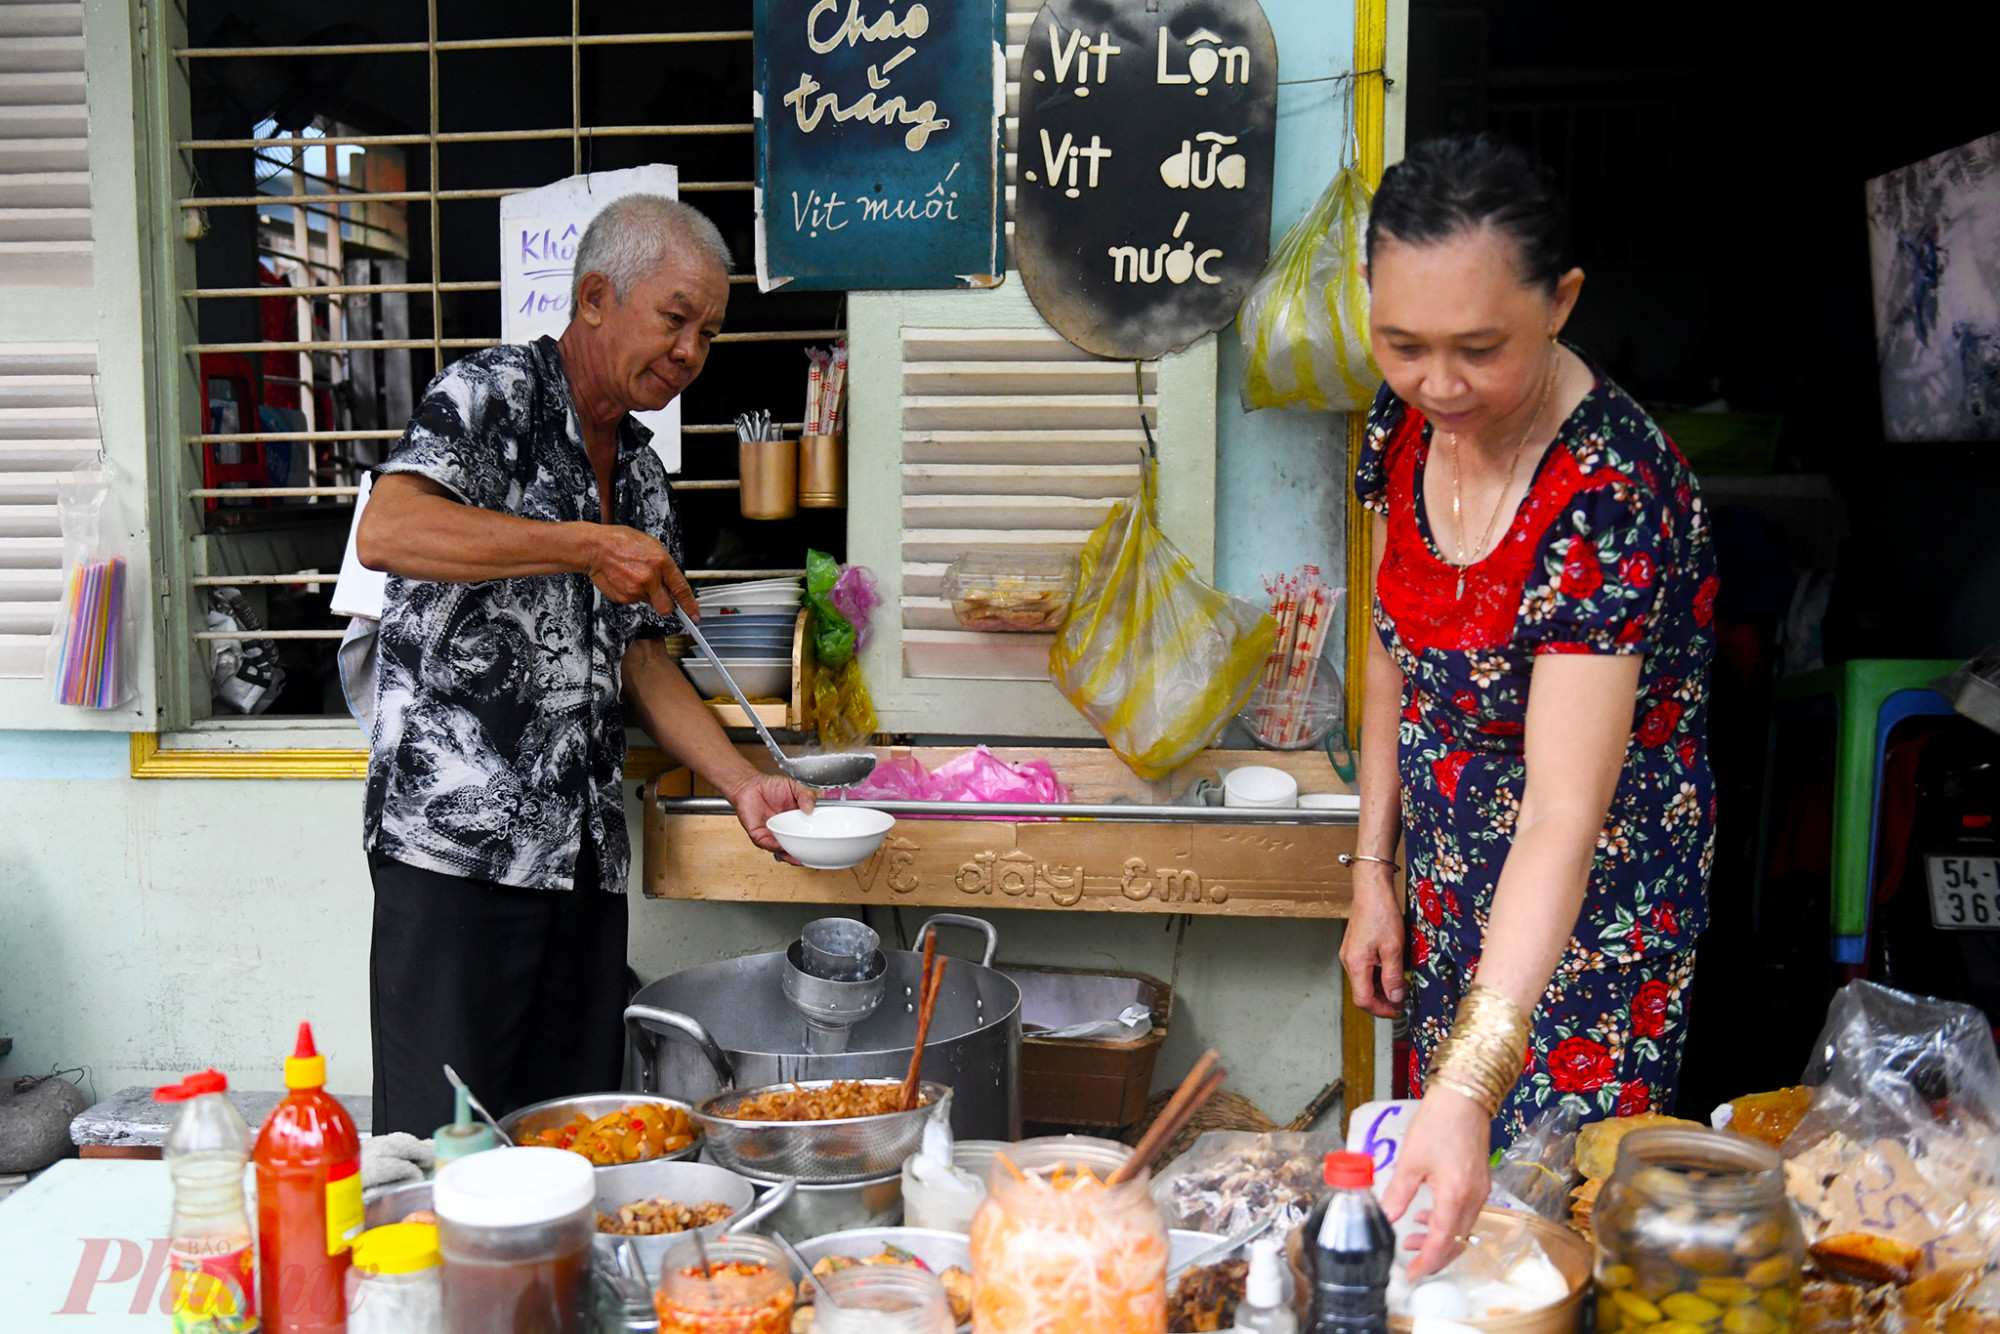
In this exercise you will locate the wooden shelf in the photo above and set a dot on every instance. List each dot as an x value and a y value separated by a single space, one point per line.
796 715
1053 864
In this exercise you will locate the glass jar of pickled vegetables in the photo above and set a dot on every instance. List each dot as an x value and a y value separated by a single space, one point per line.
1057 1251
746 1288
1695 1236
883 1299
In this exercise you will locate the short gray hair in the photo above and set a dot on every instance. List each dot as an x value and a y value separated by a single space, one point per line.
632 236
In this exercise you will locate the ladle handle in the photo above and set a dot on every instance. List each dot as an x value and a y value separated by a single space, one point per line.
960 919
644 1041
774 1199
701 642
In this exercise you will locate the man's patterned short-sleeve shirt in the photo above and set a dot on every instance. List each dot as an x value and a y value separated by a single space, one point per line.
499 745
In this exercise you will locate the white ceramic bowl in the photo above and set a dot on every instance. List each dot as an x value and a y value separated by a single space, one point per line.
763 600
765 678
834 837
1329 801
1259 786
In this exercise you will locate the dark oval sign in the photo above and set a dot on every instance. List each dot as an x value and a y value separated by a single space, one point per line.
1142 204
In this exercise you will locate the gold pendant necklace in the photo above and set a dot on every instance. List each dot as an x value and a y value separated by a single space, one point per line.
1513 466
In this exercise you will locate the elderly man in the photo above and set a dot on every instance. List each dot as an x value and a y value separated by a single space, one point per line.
534 557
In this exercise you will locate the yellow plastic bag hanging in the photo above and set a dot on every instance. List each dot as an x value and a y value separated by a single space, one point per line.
1304 325
1155 658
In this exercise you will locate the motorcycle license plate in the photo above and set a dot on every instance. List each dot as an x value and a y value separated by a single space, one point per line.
1965 893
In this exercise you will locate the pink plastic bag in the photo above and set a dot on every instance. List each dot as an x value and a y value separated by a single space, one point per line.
854 597
977 775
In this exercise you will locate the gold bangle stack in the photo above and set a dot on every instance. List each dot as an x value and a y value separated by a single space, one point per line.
1482 1057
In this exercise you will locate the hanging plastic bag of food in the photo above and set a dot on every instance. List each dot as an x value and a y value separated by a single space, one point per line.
1304 325
843 709
1155 658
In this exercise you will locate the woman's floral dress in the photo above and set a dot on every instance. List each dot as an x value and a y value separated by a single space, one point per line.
1608 553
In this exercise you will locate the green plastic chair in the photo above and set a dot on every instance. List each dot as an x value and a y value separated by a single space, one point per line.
1869 697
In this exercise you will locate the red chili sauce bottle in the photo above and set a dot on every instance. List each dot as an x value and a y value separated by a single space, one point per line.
308 1158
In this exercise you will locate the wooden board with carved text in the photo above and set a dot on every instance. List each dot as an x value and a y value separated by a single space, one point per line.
1056 865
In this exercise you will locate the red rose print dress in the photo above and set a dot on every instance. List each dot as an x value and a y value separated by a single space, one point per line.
1608 553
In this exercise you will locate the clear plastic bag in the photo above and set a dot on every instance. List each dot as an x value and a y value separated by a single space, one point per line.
1156 659
1899 1154
1233 1179
92 656
1304 324
1536 1170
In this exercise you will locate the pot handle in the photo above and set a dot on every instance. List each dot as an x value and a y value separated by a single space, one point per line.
644 1041
960 919
774 1200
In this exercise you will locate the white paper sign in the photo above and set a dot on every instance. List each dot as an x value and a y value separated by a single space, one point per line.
539 232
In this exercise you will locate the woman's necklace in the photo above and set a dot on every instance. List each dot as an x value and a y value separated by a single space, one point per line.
1513 466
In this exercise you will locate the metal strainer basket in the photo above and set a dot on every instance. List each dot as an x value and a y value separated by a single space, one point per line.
826 1152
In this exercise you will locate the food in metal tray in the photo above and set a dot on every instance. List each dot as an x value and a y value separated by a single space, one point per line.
842 1100
653 1218
629 1135
957 1283
1206 1297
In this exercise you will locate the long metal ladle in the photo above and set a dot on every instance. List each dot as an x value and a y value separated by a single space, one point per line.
842 770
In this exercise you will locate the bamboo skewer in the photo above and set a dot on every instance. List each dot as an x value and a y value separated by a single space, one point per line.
1201 1084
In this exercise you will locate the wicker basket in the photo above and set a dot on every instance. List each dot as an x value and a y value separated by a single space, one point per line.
1224 1111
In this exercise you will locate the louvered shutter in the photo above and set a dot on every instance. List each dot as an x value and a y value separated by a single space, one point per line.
48 425
45 236
1014 440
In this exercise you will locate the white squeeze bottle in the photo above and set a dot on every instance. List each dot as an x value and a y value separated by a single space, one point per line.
211 1254
1264 1309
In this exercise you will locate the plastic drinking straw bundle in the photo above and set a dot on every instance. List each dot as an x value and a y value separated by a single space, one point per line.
1302 604
87 663
826 379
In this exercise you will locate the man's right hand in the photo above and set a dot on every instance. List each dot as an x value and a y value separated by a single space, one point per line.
631 566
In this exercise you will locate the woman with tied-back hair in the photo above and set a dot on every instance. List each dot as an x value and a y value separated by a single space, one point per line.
1534 724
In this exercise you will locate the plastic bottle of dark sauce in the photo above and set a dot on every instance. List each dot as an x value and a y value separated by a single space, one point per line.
1349 1248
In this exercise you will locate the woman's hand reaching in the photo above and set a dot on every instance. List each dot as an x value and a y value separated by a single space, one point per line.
1446 1147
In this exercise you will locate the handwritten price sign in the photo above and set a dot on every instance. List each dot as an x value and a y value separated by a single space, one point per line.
878 148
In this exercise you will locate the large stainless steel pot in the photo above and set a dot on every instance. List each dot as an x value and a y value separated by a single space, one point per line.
733 1028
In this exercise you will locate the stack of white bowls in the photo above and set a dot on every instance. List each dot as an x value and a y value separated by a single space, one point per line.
750 626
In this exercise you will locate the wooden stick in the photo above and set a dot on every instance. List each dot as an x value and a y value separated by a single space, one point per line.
1170 1119
1142 1157
927 1002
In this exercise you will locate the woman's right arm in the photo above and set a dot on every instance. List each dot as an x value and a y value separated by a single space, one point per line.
1371 948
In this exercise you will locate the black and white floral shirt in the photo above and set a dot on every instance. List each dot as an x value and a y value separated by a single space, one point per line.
498 743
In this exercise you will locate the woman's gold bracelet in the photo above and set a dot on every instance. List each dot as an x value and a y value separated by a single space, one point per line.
1349 858
1483 1056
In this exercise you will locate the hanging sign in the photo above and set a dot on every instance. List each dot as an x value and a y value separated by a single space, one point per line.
878 143
1142 204
539 233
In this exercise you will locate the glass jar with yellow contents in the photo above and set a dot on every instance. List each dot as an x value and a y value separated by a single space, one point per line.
1695 1236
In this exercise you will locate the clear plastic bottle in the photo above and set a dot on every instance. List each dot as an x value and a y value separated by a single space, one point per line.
211 1255
1349 1252
1264 1308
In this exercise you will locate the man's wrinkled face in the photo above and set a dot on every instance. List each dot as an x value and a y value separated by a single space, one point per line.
656 338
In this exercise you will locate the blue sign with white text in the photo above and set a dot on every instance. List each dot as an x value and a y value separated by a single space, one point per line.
878 145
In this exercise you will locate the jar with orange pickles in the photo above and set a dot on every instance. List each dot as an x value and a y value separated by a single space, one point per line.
746 1288
1055 1250
1696 1236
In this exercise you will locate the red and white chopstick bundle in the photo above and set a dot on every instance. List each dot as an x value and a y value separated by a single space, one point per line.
826 380
1303 605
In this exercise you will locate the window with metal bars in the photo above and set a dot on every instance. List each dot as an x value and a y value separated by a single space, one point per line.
335 168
